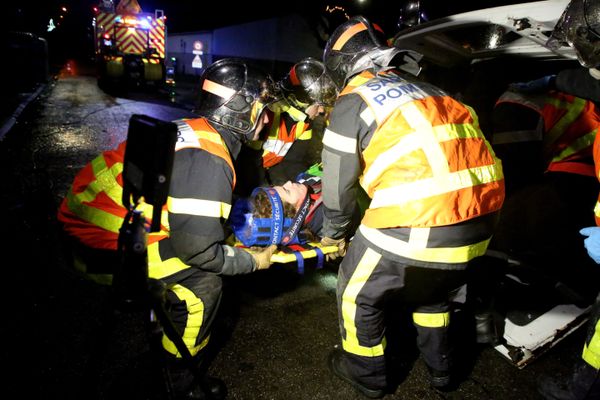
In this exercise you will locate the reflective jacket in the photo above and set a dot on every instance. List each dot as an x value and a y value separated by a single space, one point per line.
569 127
597 172
423 161
192 220
287 125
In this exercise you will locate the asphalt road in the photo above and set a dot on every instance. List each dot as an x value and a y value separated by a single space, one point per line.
62 340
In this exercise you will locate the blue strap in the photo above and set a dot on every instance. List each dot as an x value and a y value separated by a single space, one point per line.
300 261
320 257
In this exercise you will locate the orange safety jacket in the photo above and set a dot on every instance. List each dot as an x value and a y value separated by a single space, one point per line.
570 126
423 167
597 172
287 125
92 210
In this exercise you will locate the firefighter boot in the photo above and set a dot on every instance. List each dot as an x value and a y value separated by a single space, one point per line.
186 386
336 365
485 328
440 380
583 385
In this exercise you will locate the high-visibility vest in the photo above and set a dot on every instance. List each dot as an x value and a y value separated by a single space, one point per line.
92 210
570 126
424 167
596 151
287 125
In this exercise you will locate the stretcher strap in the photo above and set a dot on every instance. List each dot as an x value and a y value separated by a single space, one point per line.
320 257
300 261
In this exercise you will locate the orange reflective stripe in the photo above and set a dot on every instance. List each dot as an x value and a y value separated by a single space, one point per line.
294 78
353 30
200 125
218 89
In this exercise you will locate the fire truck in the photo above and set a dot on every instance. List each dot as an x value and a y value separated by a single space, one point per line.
129 44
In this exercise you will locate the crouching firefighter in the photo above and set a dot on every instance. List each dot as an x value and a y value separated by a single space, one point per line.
188 254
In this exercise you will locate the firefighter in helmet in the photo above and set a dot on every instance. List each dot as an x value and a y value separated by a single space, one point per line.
188 254
292 141
431 211
579 27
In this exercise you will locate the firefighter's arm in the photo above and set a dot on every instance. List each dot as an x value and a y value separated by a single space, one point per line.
199 200
341 165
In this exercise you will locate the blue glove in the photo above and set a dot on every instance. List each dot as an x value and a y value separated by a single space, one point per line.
536 86
592 242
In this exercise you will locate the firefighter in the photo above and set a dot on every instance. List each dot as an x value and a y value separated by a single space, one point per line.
292 142
435 186
544 139
188 255
579 27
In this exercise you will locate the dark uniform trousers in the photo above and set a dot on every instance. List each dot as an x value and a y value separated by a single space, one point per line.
367 279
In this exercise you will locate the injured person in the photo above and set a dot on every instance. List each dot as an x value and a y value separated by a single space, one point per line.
289 216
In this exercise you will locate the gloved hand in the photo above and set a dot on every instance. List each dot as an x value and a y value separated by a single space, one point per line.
592 242
341 245
262 258
536 86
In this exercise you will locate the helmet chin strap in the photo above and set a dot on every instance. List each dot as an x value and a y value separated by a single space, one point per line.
595 73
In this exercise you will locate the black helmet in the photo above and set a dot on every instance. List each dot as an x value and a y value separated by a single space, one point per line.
579 27
355 46
308 83
411 14
233 94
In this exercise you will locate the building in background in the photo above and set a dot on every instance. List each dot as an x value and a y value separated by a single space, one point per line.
274 43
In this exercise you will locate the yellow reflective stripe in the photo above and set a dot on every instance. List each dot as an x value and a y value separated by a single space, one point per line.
573 111
274 130
597 209
361 275
147 211
425 137
195 308
432 320
591 351
296 114
384 160
204 208
338 142
446 183
158 268
101 218
106 182
305 135
460 254
210 136
581 143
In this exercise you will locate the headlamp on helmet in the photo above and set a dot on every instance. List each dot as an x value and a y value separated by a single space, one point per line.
233 94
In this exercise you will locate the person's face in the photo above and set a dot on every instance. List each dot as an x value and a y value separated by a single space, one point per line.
292 192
